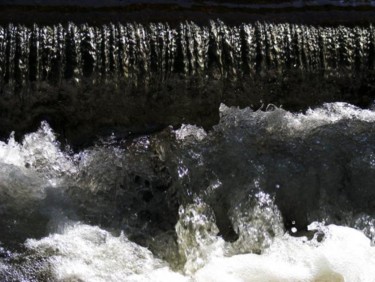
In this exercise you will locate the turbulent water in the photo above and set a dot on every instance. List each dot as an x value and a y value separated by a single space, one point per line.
262 196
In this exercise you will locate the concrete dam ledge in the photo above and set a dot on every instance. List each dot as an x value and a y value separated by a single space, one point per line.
317 12
89 81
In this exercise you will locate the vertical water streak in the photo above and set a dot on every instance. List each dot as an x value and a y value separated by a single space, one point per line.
260 48
34 54
170 37
71 53
88 51
273 57
203 43
324 40
46 38
191 32
9 56
162 44
231 51
122 53
216 50
112 52
132 63
21 56
142 55
371 52
297 48
57 55
249 48
183 50
288 42
360 48
2 58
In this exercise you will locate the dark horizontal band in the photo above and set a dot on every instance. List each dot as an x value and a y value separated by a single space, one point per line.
328 12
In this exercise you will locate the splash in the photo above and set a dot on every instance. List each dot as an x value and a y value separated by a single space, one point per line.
39 151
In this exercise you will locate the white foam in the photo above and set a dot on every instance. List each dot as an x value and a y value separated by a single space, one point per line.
88 253
284 122
10 152
187 130
344 255
39 151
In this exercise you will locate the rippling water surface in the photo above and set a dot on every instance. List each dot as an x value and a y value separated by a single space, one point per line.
262 196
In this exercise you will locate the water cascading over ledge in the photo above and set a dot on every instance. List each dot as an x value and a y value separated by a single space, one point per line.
133 77
261 193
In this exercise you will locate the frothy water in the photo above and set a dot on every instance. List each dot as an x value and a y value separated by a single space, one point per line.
262 196
89 253
340 257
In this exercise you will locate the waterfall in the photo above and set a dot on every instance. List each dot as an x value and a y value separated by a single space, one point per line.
239 149
138 55
136 78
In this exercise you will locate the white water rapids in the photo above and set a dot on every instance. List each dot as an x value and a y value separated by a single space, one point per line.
112 212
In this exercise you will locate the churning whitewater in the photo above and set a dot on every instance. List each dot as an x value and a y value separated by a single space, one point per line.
262 196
